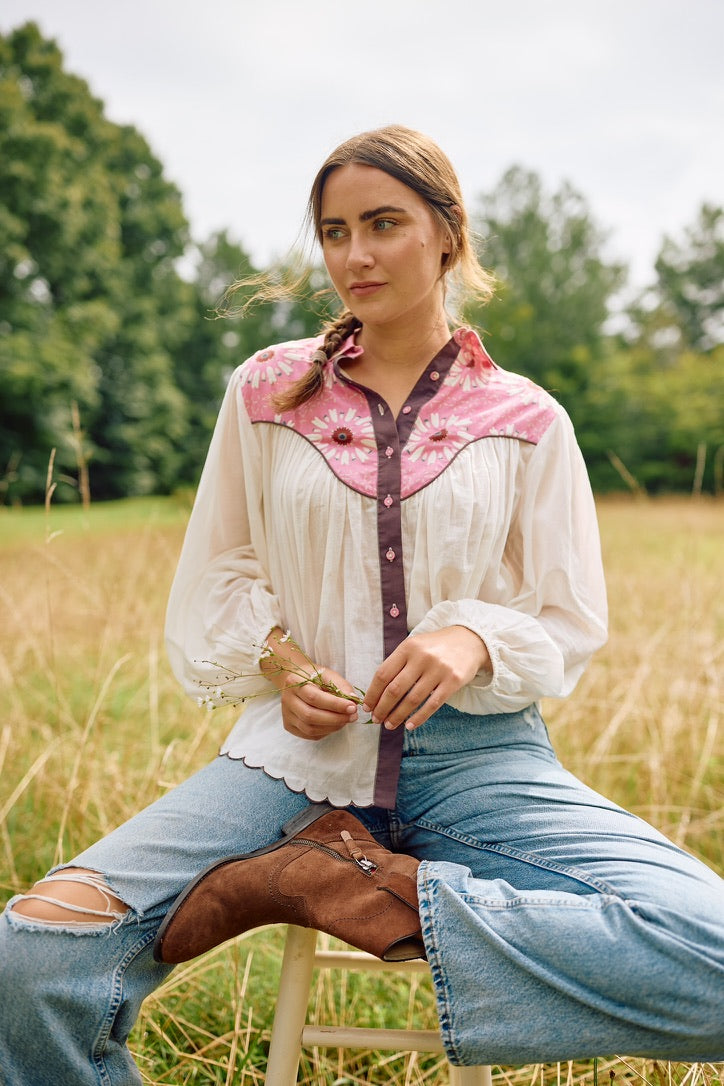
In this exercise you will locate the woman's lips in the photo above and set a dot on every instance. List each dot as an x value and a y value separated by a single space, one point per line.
362 290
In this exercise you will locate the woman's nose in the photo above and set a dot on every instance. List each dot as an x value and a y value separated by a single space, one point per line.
358 254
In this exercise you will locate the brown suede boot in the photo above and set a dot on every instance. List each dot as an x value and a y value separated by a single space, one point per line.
326 872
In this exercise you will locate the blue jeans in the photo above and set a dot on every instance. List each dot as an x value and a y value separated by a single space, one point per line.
556 924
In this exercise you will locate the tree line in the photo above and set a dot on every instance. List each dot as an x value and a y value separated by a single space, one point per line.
116 361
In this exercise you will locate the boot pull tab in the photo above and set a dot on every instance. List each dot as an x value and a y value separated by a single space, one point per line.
357 854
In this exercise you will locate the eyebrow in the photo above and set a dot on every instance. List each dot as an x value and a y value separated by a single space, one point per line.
366 215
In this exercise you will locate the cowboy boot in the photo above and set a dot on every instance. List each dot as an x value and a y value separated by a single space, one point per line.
326 872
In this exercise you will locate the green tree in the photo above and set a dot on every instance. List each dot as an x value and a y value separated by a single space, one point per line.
663 425
690 281
555 287
212 345
665 418
91 306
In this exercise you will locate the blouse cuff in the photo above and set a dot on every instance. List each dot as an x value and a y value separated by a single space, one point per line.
526 664
218 663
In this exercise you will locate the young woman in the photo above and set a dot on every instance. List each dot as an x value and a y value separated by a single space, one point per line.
421 524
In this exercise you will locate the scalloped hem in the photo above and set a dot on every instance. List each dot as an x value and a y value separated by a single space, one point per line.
295 784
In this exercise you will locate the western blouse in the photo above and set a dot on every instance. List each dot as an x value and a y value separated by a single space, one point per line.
353 529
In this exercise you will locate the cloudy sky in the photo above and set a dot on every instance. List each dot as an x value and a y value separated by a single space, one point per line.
242 99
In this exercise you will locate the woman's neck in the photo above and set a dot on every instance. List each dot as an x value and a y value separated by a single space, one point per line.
405 351
391 365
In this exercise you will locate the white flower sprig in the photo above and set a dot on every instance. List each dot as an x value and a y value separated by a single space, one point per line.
215 692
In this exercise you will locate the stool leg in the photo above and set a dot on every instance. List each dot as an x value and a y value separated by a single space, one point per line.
291 1011
470 1076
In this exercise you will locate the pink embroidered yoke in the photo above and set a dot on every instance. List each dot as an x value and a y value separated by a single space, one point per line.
352 529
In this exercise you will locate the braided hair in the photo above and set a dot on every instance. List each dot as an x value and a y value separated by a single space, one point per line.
310 383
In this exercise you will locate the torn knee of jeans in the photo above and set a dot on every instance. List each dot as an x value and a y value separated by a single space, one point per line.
71 897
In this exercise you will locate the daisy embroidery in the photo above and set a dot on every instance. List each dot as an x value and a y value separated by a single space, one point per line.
436 438
462 375
343 436
530 396
533 413
269 366
510 430
472 366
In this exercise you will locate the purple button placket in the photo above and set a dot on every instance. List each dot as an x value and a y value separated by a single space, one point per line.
391 436
392 581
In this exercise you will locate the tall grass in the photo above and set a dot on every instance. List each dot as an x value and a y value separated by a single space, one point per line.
94 727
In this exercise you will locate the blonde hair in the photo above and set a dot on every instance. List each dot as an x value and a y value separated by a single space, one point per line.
416 161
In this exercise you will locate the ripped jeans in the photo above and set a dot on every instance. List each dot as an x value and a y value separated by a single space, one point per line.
556 924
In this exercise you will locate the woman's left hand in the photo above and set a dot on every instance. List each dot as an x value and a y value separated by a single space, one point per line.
422 673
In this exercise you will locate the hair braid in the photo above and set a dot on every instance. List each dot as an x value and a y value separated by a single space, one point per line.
335 333
338 330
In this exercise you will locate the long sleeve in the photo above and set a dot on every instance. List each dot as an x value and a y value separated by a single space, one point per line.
222 606
552 613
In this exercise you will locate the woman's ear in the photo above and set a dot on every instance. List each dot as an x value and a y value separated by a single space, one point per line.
449 243
449 247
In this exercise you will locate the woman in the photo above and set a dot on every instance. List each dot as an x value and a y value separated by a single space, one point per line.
421 523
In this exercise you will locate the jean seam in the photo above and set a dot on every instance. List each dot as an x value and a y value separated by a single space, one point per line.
444 1007
114 1003
524 857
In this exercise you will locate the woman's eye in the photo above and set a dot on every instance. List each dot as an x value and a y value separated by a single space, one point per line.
332 233
384 224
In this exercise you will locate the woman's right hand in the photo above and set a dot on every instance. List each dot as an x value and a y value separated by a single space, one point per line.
308 710
311 712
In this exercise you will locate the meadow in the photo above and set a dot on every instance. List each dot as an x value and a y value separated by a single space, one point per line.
94 726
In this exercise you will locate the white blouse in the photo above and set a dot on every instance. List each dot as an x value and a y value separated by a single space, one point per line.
351 529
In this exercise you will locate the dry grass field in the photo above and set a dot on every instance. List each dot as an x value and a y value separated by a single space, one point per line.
94 726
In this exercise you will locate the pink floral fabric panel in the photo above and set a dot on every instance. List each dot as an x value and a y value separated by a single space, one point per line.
474 400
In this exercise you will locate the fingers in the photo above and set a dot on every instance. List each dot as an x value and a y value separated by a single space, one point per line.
422 674
411 695
311 712
400 686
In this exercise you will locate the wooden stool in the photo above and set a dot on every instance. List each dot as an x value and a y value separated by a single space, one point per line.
290 1031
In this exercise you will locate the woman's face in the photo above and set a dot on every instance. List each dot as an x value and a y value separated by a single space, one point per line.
383 248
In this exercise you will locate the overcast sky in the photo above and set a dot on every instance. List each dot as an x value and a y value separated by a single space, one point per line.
242 99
